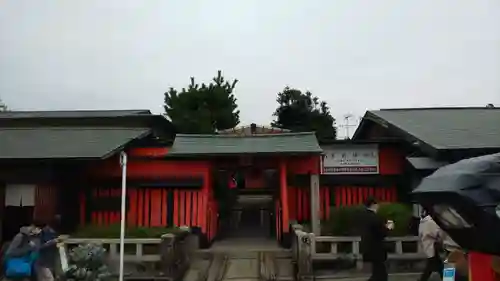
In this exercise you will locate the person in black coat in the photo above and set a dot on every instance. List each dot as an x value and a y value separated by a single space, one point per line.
373 249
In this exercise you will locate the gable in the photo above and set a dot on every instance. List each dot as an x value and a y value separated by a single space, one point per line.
439 128
289 143
257 130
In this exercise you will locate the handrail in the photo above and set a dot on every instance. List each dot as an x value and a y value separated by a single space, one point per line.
138 254
172 251
306 249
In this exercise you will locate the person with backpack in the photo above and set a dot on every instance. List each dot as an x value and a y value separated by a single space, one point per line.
22 253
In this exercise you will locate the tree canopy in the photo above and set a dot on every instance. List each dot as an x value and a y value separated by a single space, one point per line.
303 112
203 109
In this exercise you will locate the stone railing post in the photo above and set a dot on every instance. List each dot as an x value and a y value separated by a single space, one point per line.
167 255
305 243
356 252
192 242
399 247
61 260
175 252
294 241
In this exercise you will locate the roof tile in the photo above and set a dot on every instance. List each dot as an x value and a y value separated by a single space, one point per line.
64 142
187 145
448 128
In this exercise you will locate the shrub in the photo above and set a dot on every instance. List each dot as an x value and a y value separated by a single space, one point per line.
347 220
86 263
401 214
113 231
343 221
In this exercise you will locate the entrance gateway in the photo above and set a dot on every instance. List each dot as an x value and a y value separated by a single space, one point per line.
249 184
249 178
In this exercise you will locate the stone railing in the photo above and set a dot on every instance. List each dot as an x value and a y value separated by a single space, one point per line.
308 248
170 254
136 249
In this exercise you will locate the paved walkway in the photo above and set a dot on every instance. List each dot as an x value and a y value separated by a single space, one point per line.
392 277
242 244
257 259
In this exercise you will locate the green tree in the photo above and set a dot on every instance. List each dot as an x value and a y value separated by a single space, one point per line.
203 109
303 112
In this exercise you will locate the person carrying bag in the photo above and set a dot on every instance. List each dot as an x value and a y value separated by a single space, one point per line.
430 238
375 230
22 254
46 262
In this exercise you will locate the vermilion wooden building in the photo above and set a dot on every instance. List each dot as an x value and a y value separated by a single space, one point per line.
432 137
45 158
429 138
187 174
73 167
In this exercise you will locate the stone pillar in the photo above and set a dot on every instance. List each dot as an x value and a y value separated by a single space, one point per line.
315 205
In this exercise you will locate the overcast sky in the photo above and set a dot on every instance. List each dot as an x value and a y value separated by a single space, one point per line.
355 54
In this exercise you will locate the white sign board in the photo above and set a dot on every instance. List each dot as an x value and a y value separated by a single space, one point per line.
350 159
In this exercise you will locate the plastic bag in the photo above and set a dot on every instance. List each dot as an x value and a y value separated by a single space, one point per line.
19 267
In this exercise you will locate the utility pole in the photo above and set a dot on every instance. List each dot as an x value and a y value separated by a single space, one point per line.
3 106
347 125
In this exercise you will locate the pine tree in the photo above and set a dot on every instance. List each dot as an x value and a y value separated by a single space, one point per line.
302 112
203 109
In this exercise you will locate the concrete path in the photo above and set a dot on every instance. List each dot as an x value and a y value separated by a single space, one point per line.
258 259
392 277
238 245
242 259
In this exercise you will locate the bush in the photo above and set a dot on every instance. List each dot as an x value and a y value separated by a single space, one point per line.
113 231
401 214
343 221
87 263
347 220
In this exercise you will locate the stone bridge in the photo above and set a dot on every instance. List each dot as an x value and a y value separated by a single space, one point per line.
176 257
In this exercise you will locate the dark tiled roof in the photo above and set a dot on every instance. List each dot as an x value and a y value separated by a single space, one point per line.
64 142
190 145
247 130
447 128
73 114
425 163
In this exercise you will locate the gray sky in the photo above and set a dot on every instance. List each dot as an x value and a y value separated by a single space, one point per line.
355 54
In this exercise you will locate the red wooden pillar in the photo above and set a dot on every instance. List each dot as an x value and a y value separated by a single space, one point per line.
284 196
205 197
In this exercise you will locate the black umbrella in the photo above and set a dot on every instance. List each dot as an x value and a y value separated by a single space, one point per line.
464 198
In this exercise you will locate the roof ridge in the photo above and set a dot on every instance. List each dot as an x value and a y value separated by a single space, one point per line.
250 125
249 136
74 114
95 128
69 110
438 108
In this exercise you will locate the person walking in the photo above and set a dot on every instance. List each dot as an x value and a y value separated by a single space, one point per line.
22 253
373 249
431 239
46 263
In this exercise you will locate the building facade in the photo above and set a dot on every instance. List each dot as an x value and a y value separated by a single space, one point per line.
68 163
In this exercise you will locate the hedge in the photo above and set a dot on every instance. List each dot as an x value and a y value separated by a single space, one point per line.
113 231
347 221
